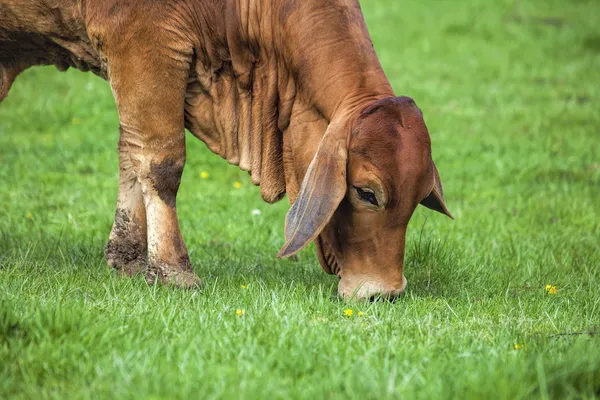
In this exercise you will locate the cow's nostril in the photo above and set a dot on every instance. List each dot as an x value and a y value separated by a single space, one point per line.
390 297
375 298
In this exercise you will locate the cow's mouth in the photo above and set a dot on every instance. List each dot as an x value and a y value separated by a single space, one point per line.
326 256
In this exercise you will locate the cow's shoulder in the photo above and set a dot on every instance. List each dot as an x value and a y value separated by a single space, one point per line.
135 23
106 19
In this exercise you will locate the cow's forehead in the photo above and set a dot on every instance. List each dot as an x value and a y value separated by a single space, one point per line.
387 141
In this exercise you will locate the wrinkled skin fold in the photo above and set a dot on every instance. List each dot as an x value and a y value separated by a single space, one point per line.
290 91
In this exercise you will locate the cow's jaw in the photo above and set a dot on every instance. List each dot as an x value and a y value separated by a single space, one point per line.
326 256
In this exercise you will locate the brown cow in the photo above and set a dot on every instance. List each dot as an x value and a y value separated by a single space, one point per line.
289 90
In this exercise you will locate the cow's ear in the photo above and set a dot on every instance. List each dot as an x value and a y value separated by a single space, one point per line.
322 190
435 199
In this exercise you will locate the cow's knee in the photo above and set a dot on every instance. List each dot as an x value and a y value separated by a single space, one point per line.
164 177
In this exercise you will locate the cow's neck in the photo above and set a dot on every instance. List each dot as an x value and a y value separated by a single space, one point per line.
331 57
328 48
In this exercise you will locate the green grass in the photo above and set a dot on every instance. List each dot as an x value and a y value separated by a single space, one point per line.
510 92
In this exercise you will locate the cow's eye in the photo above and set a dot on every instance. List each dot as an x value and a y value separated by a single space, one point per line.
367 195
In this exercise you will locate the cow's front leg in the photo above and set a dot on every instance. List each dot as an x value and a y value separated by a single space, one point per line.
149 84
160 160
160 175
127 246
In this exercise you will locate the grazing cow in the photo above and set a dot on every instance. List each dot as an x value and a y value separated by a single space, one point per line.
289 90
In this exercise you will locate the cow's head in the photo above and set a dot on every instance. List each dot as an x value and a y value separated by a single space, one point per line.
369 174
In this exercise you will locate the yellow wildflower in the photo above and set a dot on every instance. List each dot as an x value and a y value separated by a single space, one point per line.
240 312
360 313
550 289
348 312
518 346
29 215
204 175
244 286
237 185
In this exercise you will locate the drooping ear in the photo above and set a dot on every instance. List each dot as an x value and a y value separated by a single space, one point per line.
322 190
435 199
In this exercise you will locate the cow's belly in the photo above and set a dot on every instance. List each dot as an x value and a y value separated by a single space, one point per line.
33 32
19 51
27 49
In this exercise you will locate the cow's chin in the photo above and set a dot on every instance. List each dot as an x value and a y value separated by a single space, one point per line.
326 256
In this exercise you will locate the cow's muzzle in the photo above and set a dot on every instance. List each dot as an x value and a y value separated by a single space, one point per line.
362 288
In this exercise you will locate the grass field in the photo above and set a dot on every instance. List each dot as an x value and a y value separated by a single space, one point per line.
510 91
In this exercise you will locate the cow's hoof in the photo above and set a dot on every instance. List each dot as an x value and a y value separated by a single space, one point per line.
174 276
127 259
